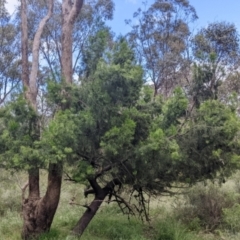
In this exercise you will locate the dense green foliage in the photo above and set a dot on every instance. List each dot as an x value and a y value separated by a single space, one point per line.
111 130
111 127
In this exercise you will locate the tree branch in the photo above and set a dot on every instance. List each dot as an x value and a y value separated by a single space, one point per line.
88 191
69 178
109 167
120 201
75 10
95 186
81 205
35 54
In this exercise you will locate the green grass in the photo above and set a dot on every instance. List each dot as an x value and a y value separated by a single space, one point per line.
109 223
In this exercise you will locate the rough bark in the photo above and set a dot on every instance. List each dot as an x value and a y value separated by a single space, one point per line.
69 14
38 212
33 179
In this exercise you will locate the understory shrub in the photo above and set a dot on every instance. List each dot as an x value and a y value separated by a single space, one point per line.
231 217
203 207
10 194
171 229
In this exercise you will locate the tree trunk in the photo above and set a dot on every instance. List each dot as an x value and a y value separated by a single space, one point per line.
24 47
100 194
89 214
32 88
69 15
38 212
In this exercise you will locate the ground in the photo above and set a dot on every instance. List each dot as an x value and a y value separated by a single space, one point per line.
109 223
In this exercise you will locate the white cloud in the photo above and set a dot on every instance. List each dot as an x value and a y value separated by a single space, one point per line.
11 5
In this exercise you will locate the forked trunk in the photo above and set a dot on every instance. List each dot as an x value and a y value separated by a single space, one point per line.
89 214
38 212
37 218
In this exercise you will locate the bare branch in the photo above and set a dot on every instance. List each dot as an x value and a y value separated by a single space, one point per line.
81 205
121 201
88 191
69 178
109 167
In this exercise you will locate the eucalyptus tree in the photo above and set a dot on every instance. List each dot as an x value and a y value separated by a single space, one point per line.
9 58
230 88
23 130
108 129
160 38
92 17
216 51
38 212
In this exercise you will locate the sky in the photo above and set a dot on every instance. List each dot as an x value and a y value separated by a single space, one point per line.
208 11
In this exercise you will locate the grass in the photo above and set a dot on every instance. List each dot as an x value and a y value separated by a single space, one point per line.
109 223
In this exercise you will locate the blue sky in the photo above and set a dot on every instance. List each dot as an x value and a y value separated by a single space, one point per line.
208 11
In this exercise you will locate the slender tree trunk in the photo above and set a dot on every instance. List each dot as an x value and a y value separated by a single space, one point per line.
35 55
89 214
24 47
100 194
69 15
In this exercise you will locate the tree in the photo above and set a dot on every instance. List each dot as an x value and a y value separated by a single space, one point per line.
24 129
24 153
110 90
9 60
92 17
116 136
93 50
230 88
160 39
70 14
216 50
38 212
109 129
